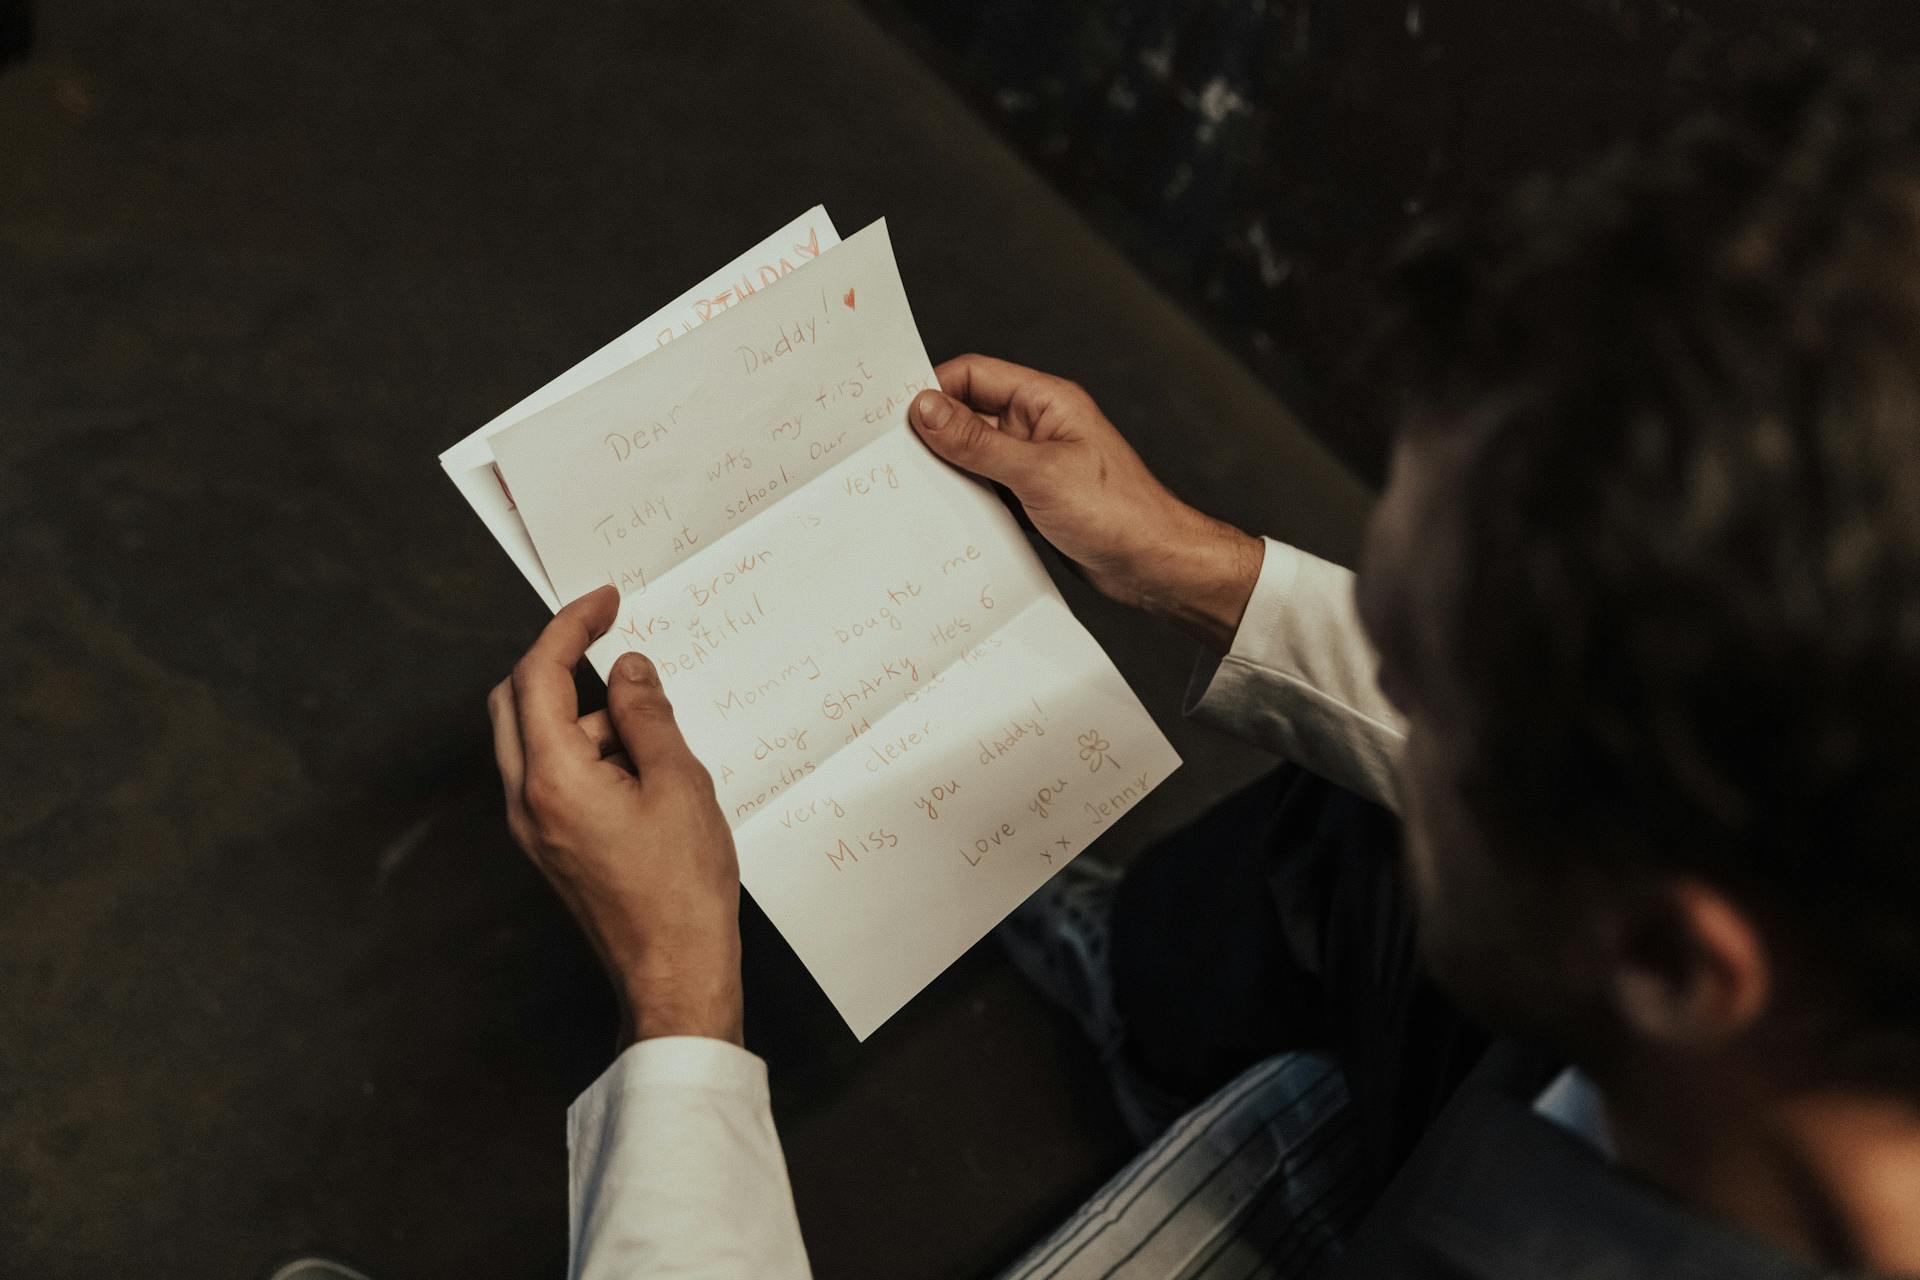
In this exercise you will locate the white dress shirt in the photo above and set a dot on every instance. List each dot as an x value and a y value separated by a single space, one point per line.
675 1166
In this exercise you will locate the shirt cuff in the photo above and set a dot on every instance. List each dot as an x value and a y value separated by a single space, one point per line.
695 1063
1299 679
1265 616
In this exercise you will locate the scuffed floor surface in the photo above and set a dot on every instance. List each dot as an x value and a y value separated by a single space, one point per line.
271 975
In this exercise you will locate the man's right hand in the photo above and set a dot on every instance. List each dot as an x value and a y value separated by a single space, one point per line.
622 819
1089 494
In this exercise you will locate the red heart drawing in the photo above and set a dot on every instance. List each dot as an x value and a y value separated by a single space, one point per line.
848 299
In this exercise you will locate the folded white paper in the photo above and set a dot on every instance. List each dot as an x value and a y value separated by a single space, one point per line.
908 730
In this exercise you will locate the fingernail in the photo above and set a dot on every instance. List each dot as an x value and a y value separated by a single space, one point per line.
930 410
634 667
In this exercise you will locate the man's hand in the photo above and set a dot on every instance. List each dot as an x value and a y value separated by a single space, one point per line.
616 811
1088 493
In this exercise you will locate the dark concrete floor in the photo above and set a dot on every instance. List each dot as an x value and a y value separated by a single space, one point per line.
271 975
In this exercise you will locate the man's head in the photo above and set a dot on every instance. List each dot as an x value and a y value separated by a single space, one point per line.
1646 582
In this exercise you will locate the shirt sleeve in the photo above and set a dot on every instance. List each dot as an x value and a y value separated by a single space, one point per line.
675 1169
1299 680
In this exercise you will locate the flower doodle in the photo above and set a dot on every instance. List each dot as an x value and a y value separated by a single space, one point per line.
1093 749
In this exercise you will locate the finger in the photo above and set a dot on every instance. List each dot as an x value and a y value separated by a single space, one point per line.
506 740
986 384
543 693
641 714
1010 396
968 441
508 759
600 733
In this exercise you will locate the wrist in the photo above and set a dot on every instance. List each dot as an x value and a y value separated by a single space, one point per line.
694 997
1199 576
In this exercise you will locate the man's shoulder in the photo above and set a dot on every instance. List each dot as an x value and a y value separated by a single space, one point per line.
1496 1191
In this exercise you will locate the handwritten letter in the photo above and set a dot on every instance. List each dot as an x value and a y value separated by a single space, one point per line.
908 730
469 464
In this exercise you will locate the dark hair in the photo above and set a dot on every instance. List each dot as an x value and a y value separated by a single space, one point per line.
1689 630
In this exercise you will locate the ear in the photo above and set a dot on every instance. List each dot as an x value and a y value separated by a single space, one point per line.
1690 968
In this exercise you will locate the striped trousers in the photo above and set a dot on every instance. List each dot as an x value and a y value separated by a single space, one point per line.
1263 1179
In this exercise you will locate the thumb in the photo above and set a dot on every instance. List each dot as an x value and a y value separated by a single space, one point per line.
642 716
967 440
